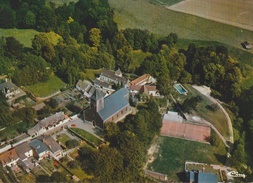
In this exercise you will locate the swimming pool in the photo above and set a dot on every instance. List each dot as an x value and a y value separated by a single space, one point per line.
180 89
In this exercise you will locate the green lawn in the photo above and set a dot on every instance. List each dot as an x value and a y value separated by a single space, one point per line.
53 85
86 135
217 118
174 152
137 14
63 138
24 36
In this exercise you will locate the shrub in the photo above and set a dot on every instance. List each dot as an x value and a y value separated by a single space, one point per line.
72 143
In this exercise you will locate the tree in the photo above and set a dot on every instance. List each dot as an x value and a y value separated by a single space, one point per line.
46 18
73 164
29 19
13 47
57 177
72 143
7 17
95 37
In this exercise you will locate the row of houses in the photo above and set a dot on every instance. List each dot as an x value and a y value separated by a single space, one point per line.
27 154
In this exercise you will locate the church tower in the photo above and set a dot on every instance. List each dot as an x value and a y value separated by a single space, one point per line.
97 101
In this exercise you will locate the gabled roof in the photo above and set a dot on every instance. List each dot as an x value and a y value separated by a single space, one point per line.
112 75
22 149
101 83
49 121
8 84
84 85
8 156
141 79
51 143
96 95
114 103
38 146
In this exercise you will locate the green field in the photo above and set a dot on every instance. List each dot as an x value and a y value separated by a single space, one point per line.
174 152
53 85
24 36
86 135
137 14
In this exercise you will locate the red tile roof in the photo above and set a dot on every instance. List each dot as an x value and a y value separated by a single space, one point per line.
140 79
8 156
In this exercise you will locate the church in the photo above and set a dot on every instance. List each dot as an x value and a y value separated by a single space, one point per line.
110 109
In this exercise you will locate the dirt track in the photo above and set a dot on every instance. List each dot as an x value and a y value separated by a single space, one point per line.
233 12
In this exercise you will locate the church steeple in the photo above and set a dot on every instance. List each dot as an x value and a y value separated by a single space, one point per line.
97 101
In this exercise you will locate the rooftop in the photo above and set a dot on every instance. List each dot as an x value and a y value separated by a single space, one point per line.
51 143
38 146
22 149
8 156
114 103
113 75
141 79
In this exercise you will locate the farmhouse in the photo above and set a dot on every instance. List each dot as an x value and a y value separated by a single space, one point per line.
11 91
113 77
110 109
142 80
140 89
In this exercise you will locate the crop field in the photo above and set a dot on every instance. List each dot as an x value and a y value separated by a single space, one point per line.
233 12
162 21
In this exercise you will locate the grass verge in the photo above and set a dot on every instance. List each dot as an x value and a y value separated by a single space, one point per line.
174 152
86 135
47 88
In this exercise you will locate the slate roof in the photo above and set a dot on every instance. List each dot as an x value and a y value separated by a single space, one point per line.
96 95
22 149
8 84
49 121
84 85
38 146
51 143
204 177
112 75
101 83
114 103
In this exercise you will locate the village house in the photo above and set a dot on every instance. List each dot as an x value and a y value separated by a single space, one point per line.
40 150
11 91
9 158
114 77
110 109
24 151
146 89
25 154
56 151
47 124
142 80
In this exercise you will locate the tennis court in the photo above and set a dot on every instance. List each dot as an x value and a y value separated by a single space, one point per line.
187 131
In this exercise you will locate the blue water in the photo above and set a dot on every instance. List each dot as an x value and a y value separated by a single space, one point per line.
180 88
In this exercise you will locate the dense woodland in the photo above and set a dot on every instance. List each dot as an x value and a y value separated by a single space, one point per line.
91 39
